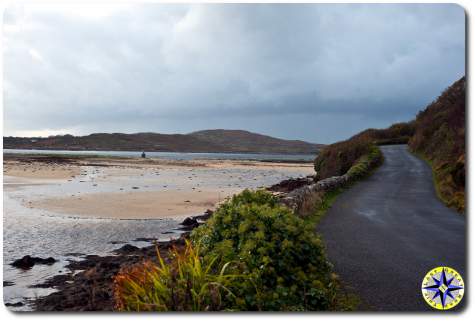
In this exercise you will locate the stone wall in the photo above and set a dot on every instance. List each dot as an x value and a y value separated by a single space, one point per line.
302 200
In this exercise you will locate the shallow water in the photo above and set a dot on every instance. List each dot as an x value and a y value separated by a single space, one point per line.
30 232
36 232
171 155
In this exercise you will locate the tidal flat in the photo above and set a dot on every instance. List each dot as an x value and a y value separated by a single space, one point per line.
71 207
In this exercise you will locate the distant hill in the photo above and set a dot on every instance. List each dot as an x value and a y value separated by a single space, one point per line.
211 141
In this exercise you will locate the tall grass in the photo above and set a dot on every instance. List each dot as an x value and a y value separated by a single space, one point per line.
186 283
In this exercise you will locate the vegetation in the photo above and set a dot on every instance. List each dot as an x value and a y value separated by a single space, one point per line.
399 133
366 163
186 283
255 254
439 138
437 135
252 254
355 156
282 256
336 159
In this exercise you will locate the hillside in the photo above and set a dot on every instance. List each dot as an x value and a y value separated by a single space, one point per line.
440 138
437 135
245 141
219 140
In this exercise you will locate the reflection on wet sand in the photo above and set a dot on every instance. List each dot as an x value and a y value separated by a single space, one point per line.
67 209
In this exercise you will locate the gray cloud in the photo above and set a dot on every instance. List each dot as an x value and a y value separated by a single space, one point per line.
315 72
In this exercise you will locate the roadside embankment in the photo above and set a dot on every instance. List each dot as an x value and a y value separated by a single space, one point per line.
304 200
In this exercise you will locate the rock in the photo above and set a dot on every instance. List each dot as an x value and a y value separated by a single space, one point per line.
27 262
17 304
109 265
145 239
291 184
91 287
116 242
8 283
189 221
207 214
126 249
74 254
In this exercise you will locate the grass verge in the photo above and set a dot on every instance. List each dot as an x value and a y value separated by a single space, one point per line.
445 188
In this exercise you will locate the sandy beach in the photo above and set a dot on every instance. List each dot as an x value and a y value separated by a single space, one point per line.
69 207
130 188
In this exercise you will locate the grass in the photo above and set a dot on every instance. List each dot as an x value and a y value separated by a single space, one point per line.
444 187
186 283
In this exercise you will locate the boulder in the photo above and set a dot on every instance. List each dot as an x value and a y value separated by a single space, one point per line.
17 304
27 262
126 249
189 221
207 214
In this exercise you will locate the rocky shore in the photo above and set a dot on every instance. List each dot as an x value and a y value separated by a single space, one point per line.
89 284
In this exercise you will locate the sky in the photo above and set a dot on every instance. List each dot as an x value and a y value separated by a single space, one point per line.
315 72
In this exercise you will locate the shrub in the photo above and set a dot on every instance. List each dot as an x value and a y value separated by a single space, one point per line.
336 159
398 133
366 163
440 138
186 283
282 257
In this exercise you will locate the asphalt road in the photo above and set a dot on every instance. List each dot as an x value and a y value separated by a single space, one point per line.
386 232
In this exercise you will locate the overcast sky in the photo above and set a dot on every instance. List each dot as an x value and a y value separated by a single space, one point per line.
320 73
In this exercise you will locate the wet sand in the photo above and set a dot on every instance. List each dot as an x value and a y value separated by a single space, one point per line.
136 205
68 208
129 188
39 171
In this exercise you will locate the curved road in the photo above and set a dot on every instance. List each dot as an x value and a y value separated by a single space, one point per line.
386 232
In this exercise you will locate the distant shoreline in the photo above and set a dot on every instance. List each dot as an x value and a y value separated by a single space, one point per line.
153 151
119 154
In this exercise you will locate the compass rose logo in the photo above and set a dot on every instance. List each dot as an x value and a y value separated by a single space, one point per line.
442 288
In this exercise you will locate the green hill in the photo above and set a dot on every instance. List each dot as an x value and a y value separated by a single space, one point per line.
212 141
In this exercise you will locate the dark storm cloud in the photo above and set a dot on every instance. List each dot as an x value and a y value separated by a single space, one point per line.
316 72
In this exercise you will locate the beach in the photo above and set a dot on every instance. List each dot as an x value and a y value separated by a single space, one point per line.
136 188
72 207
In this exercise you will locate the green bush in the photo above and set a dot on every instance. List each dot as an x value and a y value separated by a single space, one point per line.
336 159
366 163
281 256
